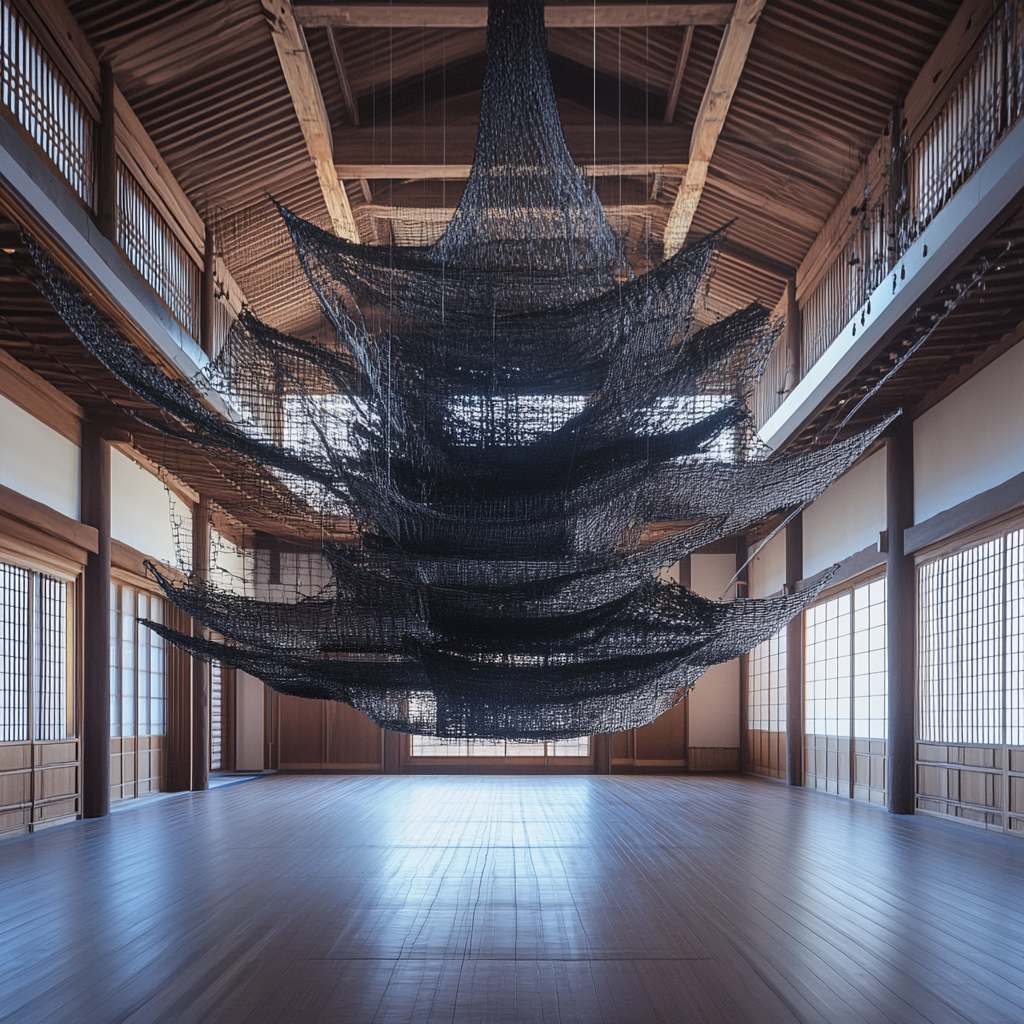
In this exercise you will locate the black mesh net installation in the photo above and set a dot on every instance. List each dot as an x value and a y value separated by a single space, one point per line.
479 451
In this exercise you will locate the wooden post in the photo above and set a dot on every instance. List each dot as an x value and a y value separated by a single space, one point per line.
602 754
795 658
207 303
794 338
177 775
901 616
95 485
743 590
106 164
200 667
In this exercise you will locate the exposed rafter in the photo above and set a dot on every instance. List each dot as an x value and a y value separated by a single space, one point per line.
308 101
475 16
732 55
677 79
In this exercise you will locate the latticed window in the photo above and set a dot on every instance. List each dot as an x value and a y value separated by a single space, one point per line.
138 695
971 645
846 693
36 678
43 103
766 707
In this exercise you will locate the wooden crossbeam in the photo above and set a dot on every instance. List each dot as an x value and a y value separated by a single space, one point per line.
732 55
308 101
457 172
475 16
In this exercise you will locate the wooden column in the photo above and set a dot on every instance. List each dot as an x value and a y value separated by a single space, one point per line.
178 741
743 590
207 302
602 754
795 658
901 616
200 667
794 338
106 163
95 485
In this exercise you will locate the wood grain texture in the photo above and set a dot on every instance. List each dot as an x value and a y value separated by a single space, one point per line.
574 899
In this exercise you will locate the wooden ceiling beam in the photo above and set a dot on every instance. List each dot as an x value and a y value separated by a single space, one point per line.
626 144
308 101
459 172
475 16
732 55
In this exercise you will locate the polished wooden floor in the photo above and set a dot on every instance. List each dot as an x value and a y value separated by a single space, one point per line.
501 899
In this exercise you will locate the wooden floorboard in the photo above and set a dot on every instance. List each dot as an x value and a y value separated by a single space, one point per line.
485 900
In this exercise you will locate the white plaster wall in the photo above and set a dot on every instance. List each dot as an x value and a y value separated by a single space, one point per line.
768 568
972 440
250 694
229 568
715 700
847 518
38 462
140 510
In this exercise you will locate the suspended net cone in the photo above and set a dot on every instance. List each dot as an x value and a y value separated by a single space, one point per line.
480 450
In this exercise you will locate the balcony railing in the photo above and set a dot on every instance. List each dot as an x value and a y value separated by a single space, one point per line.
42 102
983 106
154 250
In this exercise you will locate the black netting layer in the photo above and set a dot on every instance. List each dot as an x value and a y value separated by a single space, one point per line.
501 417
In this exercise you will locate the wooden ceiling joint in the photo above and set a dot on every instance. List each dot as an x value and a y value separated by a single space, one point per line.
475 16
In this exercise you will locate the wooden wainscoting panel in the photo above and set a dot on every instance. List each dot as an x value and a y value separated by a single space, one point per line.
664 739
55 752
714 759
15 789
15 756
353 740
56 783
300 732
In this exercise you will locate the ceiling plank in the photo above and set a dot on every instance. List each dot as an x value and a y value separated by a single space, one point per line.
475 16
677 79
732 55
308 101
458 172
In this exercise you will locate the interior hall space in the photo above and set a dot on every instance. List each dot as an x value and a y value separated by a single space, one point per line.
511 512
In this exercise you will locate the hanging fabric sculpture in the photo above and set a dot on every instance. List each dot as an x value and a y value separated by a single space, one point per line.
503 415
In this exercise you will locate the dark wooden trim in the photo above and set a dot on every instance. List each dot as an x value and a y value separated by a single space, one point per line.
95 483
996 501
795 658
130 560
40 399
79 536
200 666
207 302
901 617
861 561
